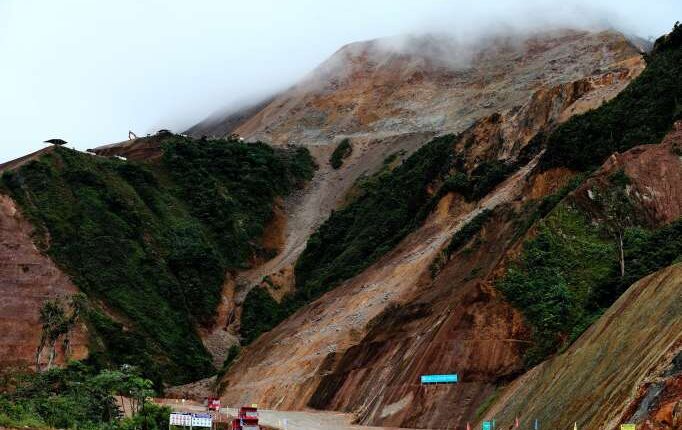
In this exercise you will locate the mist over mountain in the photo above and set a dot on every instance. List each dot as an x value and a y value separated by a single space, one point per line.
397 215
89 73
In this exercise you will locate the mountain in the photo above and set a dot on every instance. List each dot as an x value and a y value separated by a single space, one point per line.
430 83
435 295
149 244
417 206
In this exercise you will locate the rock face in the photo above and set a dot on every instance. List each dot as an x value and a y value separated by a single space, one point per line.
655 175
599 376
27 279
362 347
392 96
431 83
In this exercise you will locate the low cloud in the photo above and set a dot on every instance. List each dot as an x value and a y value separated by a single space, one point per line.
90 71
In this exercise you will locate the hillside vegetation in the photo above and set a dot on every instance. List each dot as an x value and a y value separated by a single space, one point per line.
150 243
388 206
569 273
574 269
640 114
341 152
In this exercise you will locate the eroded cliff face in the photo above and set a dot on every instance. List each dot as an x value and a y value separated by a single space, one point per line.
362 347
654 176
502 94
386 87
27 279
623 369
455 323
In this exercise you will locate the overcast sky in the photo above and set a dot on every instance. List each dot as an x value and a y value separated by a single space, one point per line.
88 71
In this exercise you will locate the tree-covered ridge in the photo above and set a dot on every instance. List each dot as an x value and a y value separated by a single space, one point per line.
152 242
641 114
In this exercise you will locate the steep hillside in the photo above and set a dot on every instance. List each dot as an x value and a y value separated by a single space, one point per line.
631 349
430 83
539 95
150 244
29 278
470 288
401 273
478 223
219 125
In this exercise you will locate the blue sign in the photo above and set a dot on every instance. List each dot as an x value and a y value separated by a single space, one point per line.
439 379
487 425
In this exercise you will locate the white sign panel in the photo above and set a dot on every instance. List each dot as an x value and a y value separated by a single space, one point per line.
202 420
191 420
180 419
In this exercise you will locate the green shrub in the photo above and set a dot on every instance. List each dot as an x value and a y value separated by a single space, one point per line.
341 152
467 232
260 312
569 274
554 280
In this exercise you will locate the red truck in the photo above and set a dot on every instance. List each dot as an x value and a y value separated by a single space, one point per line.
213 404
247 419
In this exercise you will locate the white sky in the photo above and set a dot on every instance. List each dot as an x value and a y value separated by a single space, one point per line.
88 71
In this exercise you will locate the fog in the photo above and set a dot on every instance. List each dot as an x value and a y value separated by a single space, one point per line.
89 71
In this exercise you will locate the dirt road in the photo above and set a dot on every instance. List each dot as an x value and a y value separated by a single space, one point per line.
307 420
284 420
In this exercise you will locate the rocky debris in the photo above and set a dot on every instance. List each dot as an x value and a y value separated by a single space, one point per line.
197 391
288 367
306 209
654 174
374 88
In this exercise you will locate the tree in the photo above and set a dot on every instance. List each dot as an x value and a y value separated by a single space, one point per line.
126 383
57 323
617 212
52 318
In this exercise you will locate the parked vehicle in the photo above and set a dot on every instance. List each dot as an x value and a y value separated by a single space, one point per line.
213 404
247 419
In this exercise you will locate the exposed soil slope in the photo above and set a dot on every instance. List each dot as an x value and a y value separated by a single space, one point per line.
362 347
654 175
28 278
596 379
530 93
430 83
283 368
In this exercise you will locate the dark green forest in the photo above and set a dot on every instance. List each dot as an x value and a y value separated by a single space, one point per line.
153 241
